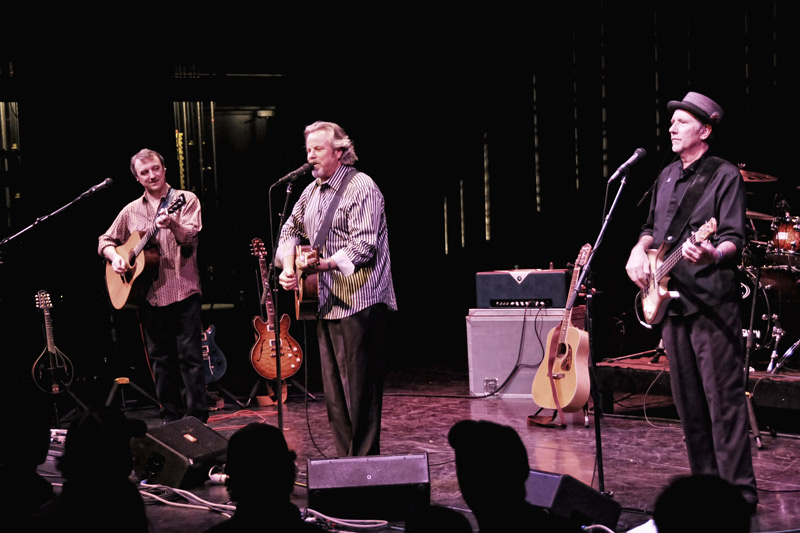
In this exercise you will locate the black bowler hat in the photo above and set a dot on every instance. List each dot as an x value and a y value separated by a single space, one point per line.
701 106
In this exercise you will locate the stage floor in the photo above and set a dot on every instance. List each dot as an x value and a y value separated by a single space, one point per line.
631 453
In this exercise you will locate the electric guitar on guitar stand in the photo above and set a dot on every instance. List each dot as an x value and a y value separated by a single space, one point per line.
263 355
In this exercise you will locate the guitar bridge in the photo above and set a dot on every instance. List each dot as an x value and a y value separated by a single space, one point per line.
559 375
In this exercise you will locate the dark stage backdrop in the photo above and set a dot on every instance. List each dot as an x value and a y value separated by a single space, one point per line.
547 106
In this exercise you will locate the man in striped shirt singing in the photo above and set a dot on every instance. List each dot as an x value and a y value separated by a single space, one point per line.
355 290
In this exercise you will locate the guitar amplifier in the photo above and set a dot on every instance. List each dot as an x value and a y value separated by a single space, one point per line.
515 288
499 339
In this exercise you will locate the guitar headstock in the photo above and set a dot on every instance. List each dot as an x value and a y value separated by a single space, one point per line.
258 249
43 300
583 255
177 203
706 230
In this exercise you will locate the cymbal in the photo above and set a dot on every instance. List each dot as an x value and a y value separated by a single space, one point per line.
755 215
756 177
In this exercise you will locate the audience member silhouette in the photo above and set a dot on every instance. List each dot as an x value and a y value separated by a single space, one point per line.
701 503
492 467
261 473
436 519
98 493
22 454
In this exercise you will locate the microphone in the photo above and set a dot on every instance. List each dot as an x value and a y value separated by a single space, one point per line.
638 154
102 185
291 176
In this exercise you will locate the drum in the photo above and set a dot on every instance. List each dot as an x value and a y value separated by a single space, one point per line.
777 309
784 245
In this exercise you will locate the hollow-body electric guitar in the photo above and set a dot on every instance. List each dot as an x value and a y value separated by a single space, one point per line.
562 379
142 267
655 296
263 355
52 371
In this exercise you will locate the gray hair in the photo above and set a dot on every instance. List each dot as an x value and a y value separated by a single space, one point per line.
339 139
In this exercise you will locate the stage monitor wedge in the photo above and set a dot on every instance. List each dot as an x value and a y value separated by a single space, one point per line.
567 497
372 487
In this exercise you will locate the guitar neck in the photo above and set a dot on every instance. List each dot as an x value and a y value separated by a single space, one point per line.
671 260
566 322
262 265
143 242
48 329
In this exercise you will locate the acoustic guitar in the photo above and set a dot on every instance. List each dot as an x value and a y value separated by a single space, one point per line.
142 267
306 296
562 379
655 296
213 358
52 371
263 355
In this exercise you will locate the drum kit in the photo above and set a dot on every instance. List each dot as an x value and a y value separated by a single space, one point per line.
769 276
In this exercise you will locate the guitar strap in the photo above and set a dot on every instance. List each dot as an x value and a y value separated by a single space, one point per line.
695 191
325 227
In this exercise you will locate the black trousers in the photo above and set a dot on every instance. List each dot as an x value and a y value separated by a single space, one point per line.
706 366
352 364
173 336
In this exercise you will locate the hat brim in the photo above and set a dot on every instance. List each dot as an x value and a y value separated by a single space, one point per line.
691 108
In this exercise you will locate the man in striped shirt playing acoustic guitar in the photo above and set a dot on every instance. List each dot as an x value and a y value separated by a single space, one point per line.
354 280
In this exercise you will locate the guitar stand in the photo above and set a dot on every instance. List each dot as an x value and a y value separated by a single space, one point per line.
121 381
230 395
544 421
80 405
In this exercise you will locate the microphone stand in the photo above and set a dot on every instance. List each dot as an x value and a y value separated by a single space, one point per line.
57 211
35 223
598 410
276 324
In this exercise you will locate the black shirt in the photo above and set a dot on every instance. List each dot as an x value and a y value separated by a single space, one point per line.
724 199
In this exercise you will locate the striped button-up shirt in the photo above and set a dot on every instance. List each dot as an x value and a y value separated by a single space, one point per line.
358 241
178 277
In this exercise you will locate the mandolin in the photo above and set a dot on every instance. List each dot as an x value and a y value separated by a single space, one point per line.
562 379
52 371
263 355
142 267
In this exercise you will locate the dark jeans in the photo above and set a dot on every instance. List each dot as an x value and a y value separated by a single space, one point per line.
174 347
352 363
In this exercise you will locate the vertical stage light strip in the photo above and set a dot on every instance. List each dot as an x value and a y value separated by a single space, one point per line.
537 179
603 94
487 202
446 242
461 211
656 80
575 108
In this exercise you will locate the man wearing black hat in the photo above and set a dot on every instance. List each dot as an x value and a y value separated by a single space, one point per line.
701 328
